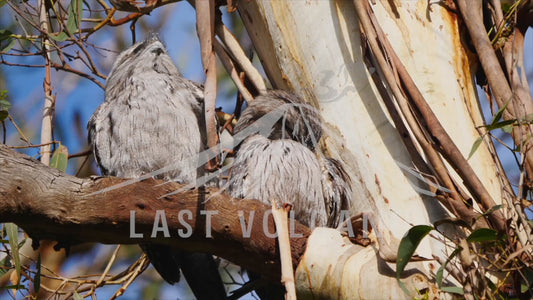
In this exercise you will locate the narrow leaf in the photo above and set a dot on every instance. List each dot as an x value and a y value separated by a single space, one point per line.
77 296
59 37
500 125
499 114
453 290
4 108
6 40
407 248
475 146
5 265
14 287
483 235
60 158
492 209
453 221
12 231
9 46
440 272
5 34
4 104
508 128
74 16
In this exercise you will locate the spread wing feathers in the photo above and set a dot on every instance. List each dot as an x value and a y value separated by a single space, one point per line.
336 189
283 170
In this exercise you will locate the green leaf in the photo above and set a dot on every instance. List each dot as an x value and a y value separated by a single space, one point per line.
440 272
6 35
475 146
59 37
14 287
77 296
74 15
2 2
453 290
483 235
9 46
4 104
13 235
452 221
501 125
407 248
526 280
492 209
508 128
499 114
5 265
60 158
37 277
4 107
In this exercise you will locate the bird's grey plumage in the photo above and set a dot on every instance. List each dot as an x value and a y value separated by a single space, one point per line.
137 129
152 119
286 166
283 166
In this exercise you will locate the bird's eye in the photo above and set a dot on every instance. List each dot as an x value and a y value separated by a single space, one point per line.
139 48
157 51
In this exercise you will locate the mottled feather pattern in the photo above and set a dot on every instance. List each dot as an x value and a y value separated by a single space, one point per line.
286 165
152 118
283 170
300 121
132 138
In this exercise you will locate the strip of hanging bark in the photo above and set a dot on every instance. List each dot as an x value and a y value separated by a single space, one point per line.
281 216
237 53
234 49
49 101
518 108
205 24
444 143
230 68
49 204
454 202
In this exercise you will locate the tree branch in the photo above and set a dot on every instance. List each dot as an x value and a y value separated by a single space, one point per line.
49 204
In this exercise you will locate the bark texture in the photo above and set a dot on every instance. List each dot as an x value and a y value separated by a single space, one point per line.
49 204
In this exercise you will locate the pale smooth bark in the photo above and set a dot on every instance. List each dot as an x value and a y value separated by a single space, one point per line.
314 48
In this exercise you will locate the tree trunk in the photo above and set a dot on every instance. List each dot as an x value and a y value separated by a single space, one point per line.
314 48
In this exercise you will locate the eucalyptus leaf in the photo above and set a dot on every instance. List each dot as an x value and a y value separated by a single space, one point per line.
453 290
475 146
407 248
483 235
12 231
60 158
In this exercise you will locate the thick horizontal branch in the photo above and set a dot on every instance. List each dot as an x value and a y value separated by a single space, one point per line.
52 205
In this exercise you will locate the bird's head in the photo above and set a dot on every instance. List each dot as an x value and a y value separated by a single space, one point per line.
142 59
295 119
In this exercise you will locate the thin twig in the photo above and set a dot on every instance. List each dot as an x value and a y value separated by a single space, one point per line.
230 68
